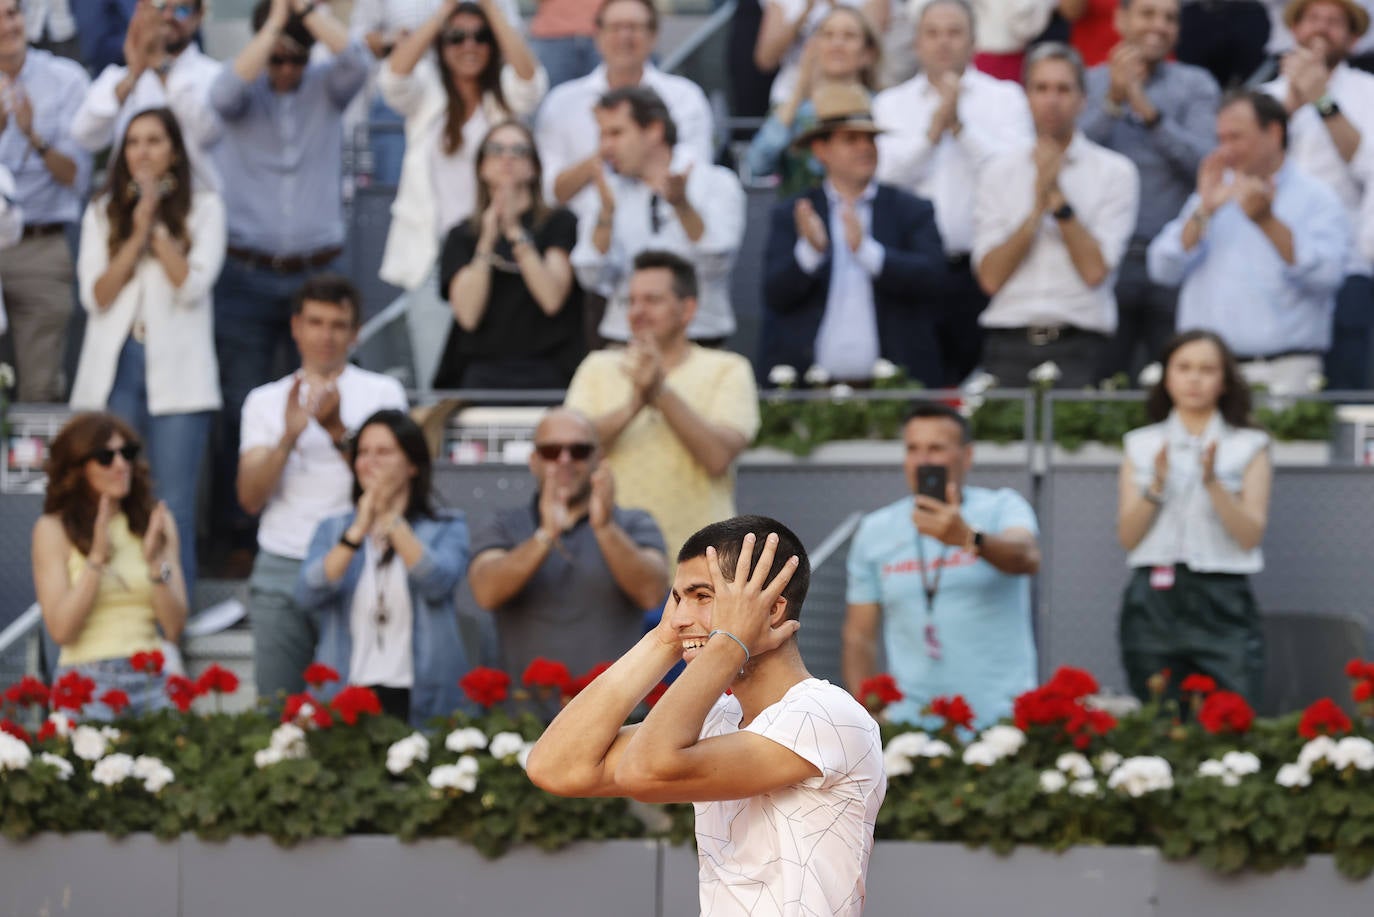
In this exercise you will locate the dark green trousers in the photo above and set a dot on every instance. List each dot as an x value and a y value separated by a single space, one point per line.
1207 623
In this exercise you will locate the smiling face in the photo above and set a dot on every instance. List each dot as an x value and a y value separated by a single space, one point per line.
148 150
944 39
566 429
1194 377
1325 28
180 20
114 479
1244 145
1055 98
625 145
1151 26
468 45
843 46
507 158
655 310
380 462
323 332
625 35
693 600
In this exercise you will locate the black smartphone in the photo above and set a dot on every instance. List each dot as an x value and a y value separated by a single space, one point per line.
932 481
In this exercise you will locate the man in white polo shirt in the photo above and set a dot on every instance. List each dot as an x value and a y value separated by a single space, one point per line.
293 468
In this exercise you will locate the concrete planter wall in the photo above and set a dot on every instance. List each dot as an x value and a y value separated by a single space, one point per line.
90 874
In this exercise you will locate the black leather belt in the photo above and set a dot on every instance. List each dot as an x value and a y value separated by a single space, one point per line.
1279 355
38 230
284 264
1040 335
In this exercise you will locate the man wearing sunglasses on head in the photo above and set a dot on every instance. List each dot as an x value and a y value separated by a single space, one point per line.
282 154
570 575
163 69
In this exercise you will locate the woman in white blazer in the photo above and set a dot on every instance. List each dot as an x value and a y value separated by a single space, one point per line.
151 248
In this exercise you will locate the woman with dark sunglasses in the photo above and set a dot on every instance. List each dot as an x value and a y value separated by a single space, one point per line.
481 72
381 578
105 563
505 273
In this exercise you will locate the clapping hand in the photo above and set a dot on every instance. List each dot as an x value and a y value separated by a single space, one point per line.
160 541
644 365
100 533
1049 160
853 229
1212 186
1209 463
554 515
1161 469
602 505
1127 69
810 226
675 188
1307 75
1255 196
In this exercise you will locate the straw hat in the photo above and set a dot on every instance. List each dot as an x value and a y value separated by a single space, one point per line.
1358 15
839 106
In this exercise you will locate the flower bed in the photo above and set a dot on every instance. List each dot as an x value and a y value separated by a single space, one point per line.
1198 777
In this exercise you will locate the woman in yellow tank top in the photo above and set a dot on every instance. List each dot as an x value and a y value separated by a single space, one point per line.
105 561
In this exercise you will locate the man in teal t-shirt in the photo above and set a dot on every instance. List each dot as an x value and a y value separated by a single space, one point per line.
949 580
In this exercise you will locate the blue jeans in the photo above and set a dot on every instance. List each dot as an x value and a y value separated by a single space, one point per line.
147 693
284 635
566 58
176 446
254 346
387 145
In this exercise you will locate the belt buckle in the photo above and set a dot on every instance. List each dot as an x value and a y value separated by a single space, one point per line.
1040 336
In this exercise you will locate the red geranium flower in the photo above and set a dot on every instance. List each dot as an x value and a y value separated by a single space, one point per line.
354 700
877 692
1071 682
317 674
72 692
182 691
955 711
1359 668
545 673
485 686
14 729
116 700
295 707
1058 706
150 663
1363 691
656 693
28 692
1225 711
577 685
217 680
49 729
1323 718
1198 684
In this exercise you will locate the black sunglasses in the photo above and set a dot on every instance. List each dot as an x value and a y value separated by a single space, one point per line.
551 452
482 36
294 60
106 456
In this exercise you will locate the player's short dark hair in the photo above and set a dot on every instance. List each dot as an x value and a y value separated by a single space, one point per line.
926 410
727 538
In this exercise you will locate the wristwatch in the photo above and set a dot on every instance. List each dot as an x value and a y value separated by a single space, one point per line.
1327 107
974 543
1065 212
354 545
163 575
1148 493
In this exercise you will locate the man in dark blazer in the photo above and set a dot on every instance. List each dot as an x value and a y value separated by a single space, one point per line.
853 269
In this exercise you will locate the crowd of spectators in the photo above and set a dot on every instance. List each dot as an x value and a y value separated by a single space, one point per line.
1027 181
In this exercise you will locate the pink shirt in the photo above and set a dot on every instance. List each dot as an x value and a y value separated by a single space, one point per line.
564 18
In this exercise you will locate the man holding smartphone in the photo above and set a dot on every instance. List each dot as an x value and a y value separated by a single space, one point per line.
947 572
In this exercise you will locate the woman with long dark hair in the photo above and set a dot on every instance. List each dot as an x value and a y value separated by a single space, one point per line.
1193 505
151 248
505 273
465 69
105 563
381 577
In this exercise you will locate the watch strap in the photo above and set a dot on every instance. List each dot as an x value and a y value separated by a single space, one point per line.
346 542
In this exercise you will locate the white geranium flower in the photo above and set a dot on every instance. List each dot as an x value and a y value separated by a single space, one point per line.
113 770
267 757
63 766
61 723
289 739
817 376
469 739
522 757
404 753
979 383
1353 751
981 753
1141 775
841 392
1052 781
154 774
884 369
936 748
1315 382
1241 763
1075 765
1150 375
6 375
1293 775
111 733
1108 761
1319 749
782 376
88 743
1211 768
896 765
1085 787
461 776
1046 373
505 744
14 754
908 744
1006 740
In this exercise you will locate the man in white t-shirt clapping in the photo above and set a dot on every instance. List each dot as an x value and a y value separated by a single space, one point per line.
293 468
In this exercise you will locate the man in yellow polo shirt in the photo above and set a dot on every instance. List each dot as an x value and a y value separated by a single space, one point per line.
672 415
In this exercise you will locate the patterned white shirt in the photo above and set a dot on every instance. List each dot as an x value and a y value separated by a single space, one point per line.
803 849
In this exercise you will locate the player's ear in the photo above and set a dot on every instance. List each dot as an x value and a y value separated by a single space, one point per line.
779 612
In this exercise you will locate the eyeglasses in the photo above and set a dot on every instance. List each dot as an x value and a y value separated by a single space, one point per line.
493 148
105 457
482 36
552 452
181 11
288 60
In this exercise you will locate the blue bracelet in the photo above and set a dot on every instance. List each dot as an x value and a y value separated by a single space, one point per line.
726 633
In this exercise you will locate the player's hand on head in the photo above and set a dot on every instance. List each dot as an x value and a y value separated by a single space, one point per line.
744 606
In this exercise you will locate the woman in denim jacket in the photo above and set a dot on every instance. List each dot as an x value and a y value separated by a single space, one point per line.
381 578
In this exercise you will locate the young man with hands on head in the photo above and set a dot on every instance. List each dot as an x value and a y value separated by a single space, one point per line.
785 771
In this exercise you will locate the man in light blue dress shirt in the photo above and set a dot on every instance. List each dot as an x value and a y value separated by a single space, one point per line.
1259 249
282 154
39 93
